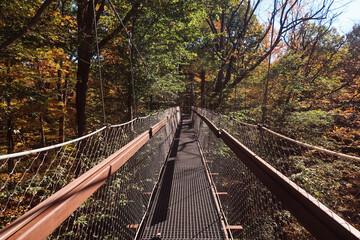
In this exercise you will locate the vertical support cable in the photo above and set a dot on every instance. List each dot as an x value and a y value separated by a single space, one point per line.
148 74
265 96
99 65
130 46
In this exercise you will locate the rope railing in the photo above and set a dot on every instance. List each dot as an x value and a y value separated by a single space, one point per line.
44 181
278 186
320 149
245 200
19 154
326 174
38 150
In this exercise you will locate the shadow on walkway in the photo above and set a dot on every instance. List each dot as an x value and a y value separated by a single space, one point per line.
162 206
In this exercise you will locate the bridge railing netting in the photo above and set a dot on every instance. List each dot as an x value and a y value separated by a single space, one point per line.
116 209
248 202
244 199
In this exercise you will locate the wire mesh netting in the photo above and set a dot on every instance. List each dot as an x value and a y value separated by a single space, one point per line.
28 179
329 177
244 199
116 209
184 206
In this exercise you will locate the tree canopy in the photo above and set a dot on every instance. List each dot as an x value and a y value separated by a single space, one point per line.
69 67
278 64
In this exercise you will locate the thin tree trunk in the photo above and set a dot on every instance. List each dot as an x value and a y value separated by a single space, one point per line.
192 92
130 100
202 88
62 97
151 102
286 109
42 131
9 136
267 79
62 128
61 120
130 108
264 103
131 86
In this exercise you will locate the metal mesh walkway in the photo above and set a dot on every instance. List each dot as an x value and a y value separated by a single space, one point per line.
184 207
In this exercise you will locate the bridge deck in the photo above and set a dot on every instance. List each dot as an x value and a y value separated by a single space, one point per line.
184 207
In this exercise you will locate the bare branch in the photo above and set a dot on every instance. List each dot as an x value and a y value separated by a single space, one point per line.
35 20
115 32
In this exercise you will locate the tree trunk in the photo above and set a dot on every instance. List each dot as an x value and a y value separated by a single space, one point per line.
85 21
266 84
42 131
219 82
192 92
61 122
130 99
85 17
216 96
9 137
202 88
151 102
264 103
62 128
222 29
285 111
81 88
131 86
62 97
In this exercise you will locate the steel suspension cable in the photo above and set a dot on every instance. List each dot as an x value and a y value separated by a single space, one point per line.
130 46
137 50
99 65
267 80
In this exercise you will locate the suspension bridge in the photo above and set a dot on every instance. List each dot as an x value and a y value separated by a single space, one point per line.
173 175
